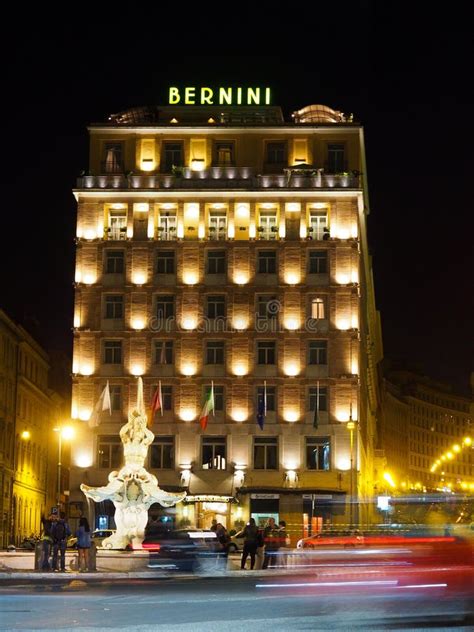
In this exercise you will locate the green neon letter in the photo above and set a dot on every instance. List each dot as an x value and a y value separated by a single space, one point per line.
239 96
190 96
174 96
253 96
267 96
206 95
225 96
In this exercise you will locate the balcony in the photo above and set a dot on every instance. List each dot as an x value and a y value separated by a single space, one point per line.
115 233
220 178
217 234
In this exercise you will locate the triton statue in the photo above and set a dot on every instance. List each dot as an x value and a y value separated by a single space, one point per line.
132 489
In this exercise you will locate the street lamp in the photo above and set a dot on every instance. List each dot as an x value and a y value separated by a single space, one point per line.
351 427
67 433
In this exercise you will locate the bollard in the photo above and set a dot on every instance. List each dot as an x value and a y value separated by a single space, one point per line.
38 555
92 558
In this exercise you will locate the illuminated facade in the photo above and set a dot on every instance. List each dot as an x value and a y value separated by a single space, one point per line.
426 434
29 410
224 245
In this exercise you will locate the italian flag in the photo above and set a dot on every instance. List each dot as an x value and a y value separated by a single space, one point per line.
156 404
207 408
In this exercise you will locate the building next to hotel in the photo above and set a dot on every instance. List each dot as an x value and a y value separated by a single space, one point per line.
30 411
427 434
222 246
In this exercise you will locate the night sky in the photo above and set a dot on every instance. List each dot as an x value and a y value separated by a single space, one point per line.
406 76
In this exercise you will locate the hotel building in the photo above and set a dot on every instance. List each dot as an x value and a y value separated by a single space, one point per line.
225 246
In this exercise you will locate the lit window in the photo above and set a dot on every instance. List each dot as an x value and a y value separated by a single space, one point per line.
224 154
213 453
318 453
318 311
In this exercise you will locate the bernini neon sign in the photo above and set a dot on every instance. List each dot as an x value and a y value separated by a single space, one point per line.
219 96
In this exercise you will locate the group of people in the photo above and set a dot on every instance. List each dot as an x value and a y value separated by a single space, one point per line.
267 541
55 534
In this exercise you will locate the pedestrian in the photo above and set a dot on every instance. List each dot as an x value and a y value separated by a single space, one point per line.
46 540
285 542
271 537
260 550
60 533
224 540
214 525
83 535
251 542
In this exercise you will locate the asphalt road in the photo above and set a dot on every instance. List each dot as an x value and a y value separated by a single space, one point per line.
217 605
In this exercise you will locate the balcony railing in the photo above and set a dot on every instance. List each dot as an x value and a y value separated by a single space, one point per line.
220 178
166 235
217 235
115 234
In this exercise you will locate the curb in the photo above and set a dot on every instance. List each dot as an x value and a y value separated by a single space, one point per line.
34 576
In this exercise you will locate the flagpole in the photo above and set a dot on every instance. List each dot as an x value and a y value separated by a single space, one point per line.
161 398
317 401
264 398
213 402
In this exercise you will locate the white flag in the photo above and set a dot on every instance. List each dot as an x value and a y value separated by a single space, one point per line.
103 403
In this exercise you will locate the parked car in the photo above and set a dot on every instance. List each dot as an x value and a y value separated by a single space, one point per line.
236 543
383 535
331 538
182 549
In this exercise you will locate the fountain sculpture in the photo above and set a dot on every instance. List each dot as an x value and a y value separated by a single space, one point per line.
132 489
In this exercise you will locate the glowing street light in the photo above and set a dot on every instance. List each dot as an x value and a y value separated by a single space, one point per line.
65 433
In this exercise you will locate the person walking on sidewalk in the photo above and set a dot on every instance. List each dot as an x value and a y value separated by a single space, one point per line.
271 536
47 525
83 535
60 533
224 540
251 542
285 543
